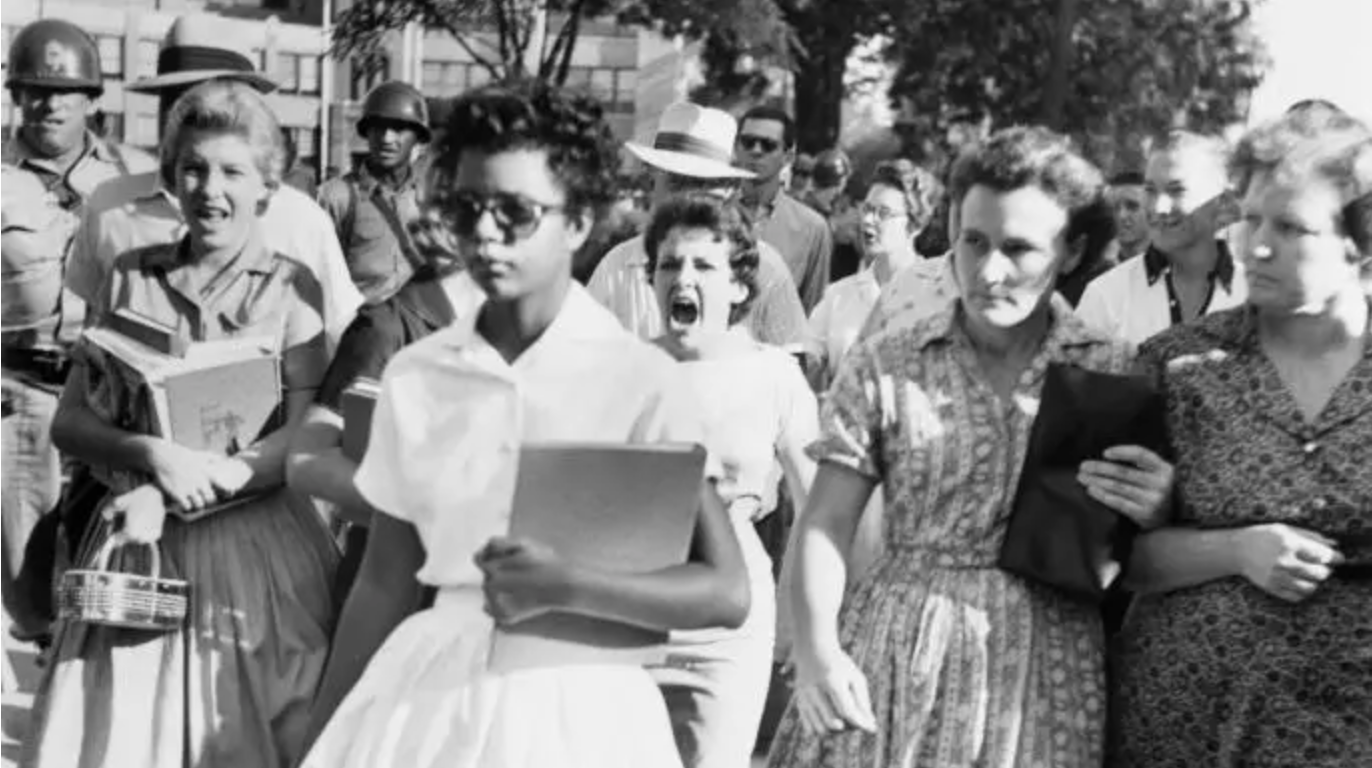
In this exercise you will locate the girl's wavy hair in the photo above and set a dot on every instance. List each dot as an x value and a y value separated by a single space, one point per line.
583 154
1316 143
1025 156
225 106
726 220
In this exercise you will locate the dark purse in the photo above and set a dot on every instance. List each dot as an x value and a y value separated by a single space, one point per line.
1058 535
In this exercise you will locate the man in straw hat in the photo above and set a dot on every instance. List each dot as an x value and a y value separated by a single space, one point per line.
140 210
692 151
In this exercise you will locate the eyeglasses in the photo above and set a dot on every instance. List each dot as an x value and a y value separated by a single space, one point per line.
517 216
762 143
881 213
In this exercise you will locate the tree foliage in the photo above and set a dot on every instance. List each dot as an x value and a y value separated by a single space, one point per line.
498 34
1133 69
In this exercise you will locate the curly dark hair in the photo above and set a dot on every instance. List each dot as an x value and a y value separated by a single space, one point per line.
723 218
1316 143
1025 156
921 189
583 154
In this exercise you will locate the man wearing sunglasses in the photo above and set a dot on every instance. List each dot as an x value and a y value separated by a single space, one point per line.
691 152
766 144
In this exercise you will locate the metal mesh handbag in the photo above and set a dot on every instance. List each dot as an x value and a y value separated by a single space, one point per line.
97 595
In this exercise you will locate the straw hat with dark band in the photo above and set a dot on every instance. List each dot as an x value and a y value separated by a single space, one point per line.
694 141
200 47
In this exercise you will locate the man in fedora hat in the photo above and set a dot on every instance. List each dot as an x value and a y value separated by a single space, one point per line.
140 210
692 151
51 166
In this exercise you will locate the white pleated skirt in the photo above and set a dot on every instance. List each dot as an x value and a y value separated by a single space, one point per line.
427 700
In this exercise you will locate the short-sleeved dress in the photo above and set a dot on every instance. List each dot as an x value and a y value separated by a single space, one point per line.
443 457
234 687
967 665
1223 674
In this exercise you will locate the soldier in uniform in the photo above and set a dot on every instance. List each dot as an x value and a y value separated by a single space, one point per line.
49 168
374 206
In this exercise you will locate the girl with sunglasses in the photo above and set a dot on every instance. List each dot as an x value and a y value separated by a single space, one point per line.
758 409
539 360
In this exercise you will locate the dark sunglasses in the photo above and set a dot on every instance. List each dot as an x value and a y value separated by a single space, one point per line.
517 216
766 145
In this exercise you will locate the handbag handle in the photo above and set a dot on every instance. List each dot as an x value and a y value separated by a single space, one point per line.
116 541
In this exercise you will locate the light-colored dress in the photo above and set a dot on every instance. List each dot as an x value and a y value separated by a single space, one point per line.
755 405
233 688
967 664
442 456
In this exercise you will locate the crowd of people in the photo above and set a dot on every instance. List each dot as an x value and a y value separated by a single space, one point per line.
867 411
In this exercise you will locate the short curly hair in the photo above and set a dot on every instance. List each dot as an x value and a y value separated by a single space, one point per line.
726 220
1033 156
225 106
583 154
1316 143
921 189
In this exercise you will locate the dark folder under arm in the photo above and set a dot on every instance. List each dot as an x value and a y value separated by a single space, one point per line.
1057 534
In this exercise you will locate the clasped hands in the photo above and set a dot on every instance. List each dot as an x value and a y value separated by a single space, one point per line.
182 476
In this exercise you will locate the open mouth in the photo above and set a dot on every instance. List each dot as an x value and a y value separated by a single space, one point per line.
210 214
684 311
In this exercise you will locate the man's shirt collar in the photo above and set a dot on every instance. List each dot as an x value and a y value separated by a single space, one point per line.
1156 264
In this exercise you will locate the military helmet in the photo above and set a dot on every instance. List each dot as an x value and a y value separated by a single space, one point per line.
394 100
51 53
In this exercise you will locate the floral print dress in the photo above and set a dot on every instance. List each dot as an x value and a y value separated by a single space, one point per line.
1223 674
967 665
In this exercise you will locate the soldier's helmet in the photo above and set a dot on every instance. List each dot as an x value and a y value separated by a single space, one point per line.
398 102
51 53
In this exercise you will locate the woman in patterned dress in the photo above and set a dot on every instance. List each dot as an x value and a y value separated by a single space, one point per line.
1251 641
233 686
942 659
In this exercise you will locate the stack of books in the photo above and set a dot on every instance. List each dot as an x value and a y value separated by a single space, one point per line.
219 396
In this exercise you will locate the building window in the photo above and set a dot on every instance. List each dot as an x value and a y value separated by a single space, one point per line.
287 76
626 90
147 58
111 56
362 81
615 89
144 132
306 144
309 73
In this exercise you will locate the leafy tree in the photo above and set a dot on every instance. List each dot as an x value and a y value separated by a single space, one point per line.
1106 71
498 34
812 38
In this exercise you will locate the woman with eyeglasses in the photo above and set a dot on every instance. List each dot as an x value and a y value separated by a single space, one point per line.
520 181
899 204
758 410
